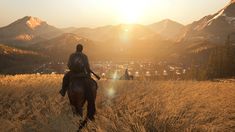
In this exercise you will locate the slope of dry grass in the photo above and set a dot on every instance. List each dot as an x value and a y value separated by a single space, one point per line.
32 103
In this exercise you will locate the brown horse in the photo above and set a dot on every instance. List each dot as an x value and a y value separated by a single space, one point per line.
83 89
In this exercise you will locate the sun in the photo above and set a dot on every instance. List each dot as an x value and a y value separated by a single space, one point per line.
130 11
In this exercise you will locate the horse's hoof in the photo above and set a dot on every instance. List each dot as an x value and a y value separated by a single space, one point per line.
80 129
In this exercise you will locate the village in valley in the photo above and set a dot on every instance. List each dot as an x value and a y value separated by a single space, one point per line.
116 70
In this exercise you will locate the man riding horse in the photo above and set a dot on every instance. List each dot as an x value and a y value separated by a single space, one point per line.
80 73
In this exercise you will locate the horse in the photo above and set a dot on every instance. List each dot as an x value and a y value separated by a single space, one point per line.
129 77
82 89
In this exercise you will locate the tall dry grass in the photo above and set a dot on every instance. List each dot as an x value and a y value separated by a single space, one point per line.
31 103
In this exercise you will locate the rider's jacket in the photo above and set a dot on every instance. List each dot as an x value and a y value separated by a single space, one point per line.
87 69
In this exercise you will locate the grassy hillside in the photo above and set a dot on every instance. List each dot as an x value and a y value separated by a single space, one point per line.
32 103
14 60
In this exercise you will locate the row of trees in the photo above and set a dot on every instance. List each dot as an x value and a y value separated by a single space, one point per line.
220 63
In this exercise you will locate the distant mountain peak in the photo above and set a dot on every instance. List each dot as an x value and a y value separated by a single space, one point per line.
28 30
167 28
168 21
227 13
30 22
34 22
213 28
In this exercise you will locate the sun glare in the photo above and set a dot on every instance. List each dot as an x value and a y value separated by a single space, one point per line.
130 11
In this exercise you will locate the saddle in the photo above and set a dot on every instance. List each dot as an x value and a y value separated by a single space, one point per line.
84 77
79 75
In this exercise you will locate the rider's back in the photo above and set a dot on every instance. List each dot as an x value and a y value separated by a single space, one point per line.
78 62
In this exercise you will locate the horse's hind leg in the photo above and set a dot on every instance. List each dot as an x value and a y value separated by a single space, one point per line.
91 97
79 111
91 108
76 109
73 110
79 107
82 124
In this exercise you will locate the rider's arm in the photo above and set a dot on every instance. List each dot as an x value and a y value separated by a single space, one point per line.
87 65
70 61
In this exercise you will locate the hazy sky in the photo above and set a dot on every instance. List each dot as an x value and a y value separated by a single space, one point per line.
79 13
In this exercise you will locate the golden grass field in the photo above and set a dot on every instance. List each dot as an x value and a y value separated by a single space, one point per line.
31 103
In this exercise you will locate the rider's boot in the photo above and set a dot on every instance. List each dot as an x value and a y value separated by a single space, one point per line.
62 92
65 84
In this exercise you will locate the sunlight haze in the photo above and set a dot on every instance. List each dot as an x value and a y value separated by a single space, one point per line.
92 13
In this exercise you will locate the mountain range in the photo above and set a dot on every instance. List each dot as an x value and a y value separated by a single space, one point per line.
214 28
156 41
